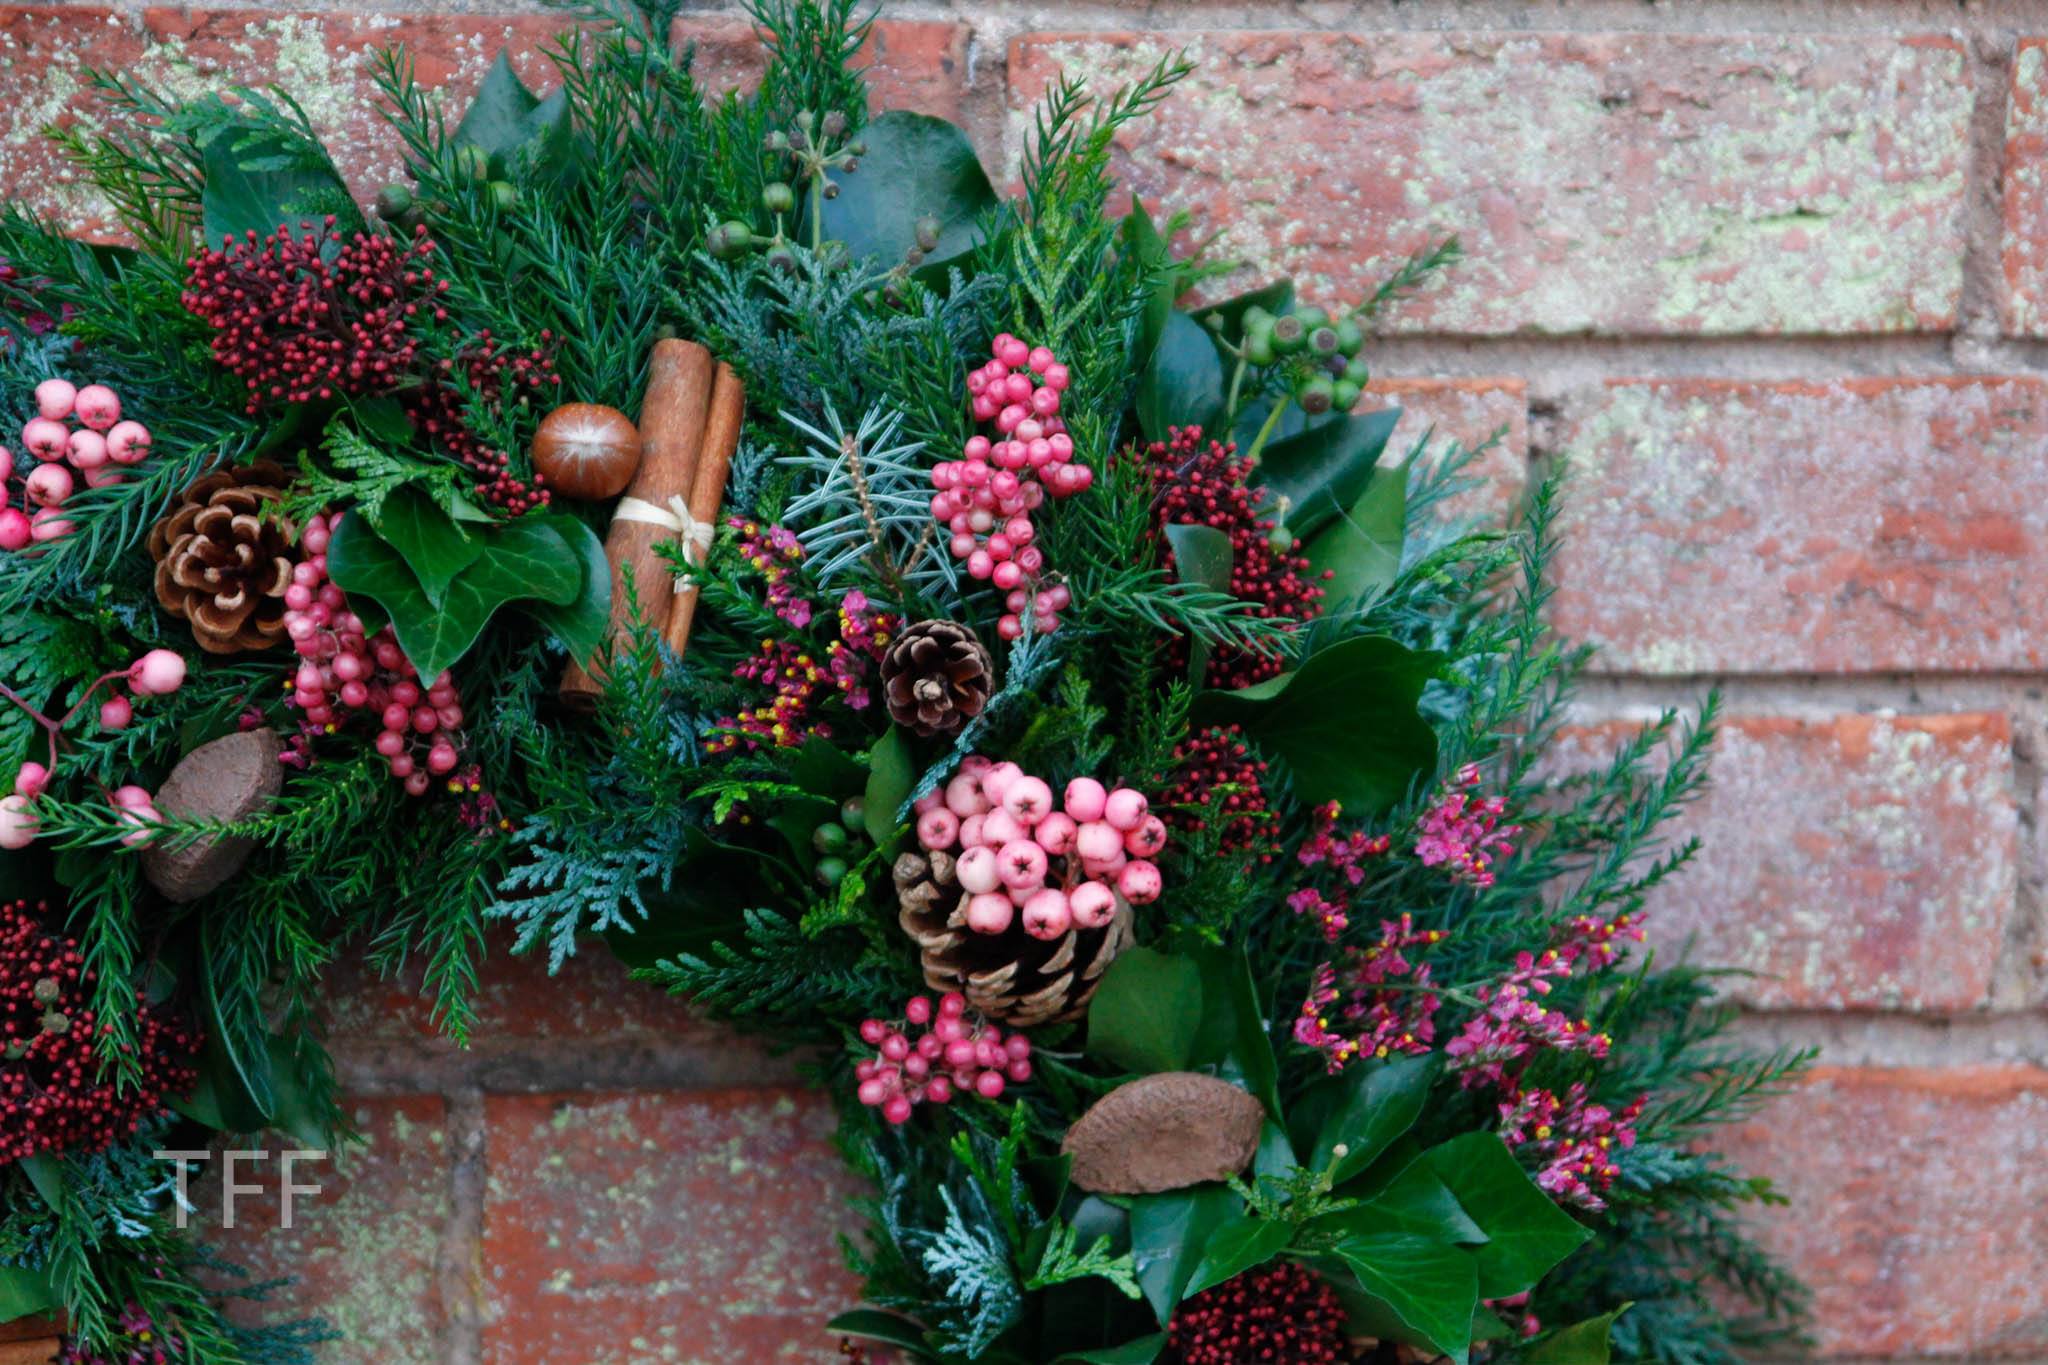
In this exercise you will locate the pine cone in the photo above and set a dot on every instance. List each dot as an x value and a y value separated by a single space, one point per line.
936 677
224 558
1011 977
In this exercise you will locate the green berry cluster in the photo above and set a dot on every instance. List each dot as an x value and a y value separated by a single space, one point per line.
1319 355
805 156
397 205
836 841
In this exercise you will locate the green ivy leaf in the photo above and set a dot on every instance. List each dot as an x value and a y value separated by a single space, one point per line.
1345 721
1183 382
1325 469
1527 1233
1145 1015
529 557
1417 1203
46 1173
915 165
1237 1247
1361 550
892 772
1428 1288
25 1293
1168 1232
1366 1108
582 623
429 541
1583 1343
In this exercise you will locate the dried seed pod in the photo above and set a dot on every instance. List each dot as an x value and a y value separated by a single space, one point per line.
1164 1132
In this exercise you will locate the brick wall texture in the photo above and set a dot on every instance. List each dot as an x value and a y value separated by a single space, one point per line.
1772 275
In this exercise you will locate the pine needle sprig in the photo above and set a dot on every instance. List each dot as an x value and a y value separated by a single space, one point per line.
875 496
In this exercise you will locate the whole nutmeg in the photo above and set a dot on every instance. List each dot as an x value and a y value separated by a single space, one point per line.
587 451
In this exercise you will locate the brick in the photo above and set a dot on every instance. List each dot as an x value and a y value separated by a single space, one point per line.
691 1226
364 1249
1468 412
1857 862
1608 182
1859 525
2024 304
1919 1207
324 60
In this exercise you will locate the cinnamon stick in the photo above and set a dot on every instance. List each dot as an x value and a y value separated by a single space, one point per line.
707 492
679 380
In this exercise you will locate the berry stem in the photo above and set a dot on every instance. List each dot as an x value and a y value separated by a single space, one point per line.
1266 431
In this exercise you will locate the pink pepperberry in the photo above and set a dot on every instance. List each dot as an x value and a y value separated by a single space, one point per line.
1055 833
1092 904
18 823
1125 808
977 872
15 532
48 485
1023 865
873 1031
989 913
895 1047
55 398
1139 882
86 450
1085 799
989 1085
1147 839
128 443
1097 841
938 829
953 1004
157 673
919 1010
1047 915
964 796
897 1109
998 827
115 713
996 779
97 407
31 779
1027 800
45 439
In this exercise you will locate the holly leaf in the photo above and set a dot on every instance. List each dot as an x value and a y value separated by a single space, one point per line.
582 623
1366 1108
1323 470
1345 721
1415 1288
1183 382
1146 1014
1361 550
915 166
1526 1232
427 538
1168 1233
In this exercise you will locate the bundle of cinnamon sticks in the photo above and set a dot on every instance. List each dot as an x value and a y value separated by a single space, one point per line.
690 425
31 1341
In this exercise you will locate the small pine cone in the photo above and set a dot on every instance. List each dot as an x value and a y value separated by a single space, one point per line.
936 677
1015 979
224 559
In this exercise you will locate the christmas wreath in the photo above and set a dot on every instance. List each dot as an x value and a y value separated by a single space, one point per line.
928 625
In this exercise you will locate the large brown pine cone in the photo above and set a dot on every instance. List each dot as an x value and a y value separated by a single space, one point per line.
224 558
936 677
1011 977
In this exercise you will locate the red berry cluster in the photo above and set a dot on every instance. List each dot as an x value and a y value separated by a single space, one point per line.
1203 483
343 669
502 377
958 1052
52 1096
1218 760
984 499
1278 1312
309 315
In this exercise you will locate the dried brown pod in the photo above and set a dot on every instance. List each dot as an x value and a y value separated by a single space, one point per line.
227 779
588 451
1164 1132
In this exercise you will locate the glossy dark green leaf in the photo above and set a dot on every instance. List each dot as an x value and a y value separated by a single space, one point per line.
1361 550
427 538
1231 1037
259 177
1146 1014
25 1293
1183 383
1527 1233
1168 1232
1582 1343
45 1171
582 623
875 1325
1236 1247
1429 1287
1345 721
1201 554
915 166
1155 254
1417 1203
1325 469
1142 1351
892 772
1366 1108
529 557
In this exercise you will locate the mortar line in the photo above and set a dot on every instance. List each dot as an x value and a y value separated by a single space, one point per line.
459 1263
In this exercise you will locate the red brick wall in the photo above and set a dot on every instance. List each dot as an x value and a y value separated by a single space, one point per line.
1772 273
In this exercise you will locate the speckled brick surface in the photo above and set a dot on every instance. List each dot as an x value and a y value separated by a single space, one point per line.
2024 300
1605 182
1464 414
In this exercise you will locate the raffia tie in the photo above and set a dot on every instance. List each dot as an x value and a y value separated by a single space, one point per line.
695 535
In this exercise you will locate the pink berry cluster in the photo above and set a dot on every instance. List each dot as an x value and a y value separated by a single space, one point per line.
959 1053
156 674
985 498
76 433
344 669
1059 867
